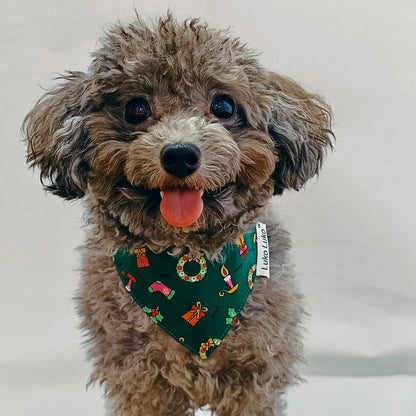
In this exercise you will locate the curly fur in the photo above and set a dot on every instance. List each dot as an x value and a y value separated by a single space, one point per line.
79 138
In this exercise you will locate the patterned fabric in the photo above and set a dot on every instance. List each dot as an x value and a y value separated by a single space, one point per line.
194 300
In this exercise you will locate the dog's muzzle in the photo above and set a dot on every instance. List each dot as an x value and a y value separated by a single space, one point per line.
181 207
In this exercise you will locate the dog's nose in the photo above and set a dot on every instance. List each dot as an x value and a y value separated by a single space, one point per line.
180 159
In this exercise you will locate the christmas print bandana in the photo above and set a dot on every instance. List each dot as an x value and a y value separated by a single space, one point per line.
194 300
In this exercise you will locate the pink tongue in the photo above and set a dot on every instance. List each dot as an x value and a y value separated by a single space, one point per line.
181 207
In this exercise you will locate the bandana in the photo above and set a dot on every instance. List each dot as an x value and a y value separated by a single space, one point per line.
194 300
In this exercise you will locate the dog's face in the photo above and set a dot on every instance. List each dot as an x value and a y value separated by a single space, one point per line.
175 129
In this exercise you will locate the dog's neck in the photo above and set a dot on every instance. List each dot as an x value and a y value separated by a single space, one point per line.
109 234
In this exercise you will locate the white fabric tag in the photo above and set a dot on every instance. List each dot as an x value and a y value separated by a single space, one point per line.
263 262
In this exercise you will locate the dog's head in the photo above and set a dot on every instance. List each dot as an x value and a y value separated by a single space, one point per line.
175 129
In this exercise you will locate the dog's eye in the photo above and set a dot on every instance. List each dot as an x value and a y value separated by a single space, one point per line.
223 107
137 110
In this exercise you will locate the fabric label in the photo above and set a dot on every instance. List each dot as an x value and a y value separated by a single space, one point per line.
263 262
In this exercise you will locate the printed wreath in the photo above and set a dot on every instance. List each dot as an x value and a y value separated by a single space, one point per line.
250 276
205 346
187 258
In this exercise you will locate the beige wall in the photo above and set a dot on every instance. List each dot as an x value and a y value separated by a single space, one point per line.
354 229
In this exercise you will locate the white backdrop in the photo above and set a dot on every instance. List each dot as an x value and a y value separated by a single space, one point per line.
354 228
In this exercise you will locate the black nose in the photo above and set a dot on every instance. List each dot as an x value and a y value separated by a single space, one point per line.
180 159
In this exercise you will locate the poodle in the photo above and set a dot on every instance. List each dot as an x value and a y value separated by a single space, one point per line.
176 139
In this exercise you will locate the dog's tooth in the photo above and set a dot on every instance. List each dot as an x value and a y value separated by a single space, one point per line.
201 192
162 193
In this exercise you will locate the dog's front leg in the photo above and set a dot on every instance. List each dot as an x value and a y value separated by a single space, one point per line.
269 404
161 398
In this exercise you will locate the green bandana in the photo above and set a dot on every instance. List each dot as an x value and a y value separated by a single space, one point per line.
194 300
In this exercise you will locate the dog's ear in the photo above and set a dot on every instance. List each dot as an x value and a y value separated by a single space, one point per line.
300 126
57 139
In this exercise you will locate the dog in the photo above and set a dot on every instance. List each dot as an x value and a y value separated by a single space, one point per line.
177 139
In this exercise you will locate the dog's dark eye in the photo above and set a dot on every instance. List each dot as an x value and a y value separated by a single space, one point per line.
137 110
223 107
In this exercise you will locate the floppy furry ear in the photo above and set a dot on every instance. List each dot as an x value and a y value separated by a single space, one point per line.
300 126
56 137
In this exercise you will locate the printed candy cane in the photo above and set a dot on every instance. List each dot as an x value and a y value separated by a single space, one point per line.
131 279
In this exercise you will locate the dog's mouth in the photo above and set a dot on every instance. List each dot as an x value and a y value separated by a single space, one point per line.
180 207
